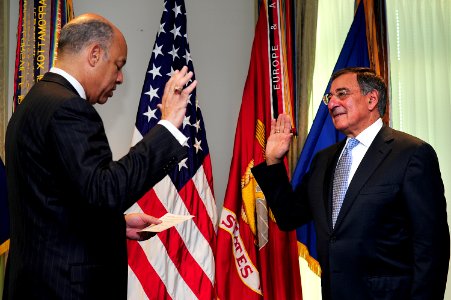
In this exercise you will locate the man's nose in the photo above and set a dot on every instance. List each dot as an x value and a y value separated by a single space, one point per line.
332 101
120 77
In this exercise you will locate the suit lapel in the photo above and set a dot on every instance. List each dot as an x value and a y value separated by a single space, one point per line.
378 150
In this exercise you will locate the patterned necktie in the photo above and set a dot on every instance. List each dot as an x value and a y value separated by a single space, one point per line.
341 179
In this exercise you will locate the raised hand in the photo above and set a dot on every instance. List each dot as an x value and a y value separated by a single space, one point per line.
176 96
279 139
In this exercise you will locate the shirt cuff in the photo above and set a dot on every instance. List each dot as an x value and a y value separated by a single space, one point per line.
181 138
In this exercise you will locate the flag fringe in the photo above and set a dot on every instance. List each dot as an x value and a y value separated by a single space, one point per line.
4 247
313 264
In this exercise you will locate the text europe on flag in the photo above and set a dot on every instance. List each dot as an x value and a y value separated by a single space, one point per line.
177 263
254 259
323 134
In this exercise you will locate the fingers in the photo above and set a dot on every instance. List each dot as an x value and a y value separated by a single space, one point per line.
168 85
140 220
176 96
190 88
150 220
279 123
283 124
135 222
273 126
278 142
176 84
286 124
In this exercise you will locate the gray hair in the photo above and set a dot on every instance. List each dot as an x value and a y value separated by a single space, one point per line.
368 81
74 36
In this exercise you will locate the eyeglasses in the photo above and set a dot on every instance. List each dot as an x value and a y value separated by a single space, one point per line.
341 94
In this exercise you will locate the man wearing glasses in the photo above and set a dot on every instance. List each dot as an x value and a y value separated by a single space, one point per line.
376 199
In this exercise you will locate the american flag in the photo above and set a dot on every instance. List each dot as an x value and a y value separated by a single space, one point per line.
177 263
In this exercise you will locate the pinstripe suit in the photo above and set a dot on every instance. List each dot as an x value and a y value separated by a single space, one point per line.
391 238
67 196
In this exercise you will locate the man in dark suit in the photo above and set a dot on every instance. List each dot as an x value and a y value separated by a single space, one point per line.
387 236
67 196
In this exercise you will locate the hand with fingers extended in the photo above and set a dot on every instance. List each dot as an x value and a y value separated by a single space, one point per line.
176 96
279 139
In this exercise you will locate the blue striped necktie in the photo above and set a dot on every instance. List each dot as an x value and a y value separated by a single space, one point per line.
340 184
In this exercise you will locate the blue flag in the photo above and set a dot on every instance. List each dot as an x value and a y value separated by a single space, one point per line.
323 133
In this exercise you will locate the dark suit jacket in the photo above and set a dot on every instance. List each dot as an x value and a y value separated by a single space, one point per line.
67 196
391 238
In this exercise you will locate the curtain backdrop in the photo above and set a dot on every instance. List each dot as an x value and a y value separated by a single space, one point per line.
420 62
334 21
376 31
306 13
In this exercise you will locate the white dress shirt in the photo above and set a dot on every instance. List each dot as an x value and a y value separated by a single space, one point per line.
365 139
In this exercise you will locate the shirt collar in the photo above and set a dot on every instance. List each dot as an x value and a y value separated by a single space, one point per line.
367 136
71 79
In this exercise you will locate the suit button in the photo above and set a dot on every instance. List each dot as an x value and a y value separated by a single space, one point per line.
333 239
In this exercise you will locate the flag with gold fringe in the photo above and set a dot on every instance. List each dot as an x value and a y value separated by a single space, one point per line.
254 259
38 28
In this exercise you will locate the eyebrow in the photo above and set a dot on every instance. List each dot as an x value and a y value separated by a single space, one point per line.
342 89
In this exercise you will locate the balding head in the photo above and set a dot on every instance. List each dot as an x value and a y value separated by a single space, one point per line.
93 51
83 31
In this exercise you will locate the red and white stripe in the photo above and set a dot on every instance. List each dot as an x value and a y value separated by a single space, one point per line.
177 263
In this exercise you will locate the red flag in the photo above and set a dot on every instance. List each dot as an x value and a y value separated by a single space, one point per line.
177 263
254 259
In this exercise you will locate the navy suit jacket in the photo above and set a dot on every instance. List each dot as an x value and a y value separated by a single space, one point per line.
391 238
67 196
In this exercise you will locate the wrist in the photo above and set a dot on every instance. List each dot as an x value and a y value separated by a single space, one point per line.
272 161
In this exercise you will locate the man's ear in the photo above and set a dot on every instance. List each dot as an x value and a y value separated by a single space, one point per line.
373 99
94 53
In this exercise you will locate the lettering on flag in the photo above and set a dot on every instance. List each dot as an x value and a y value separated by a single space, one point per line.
257 260
39 24
279 74
247 271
